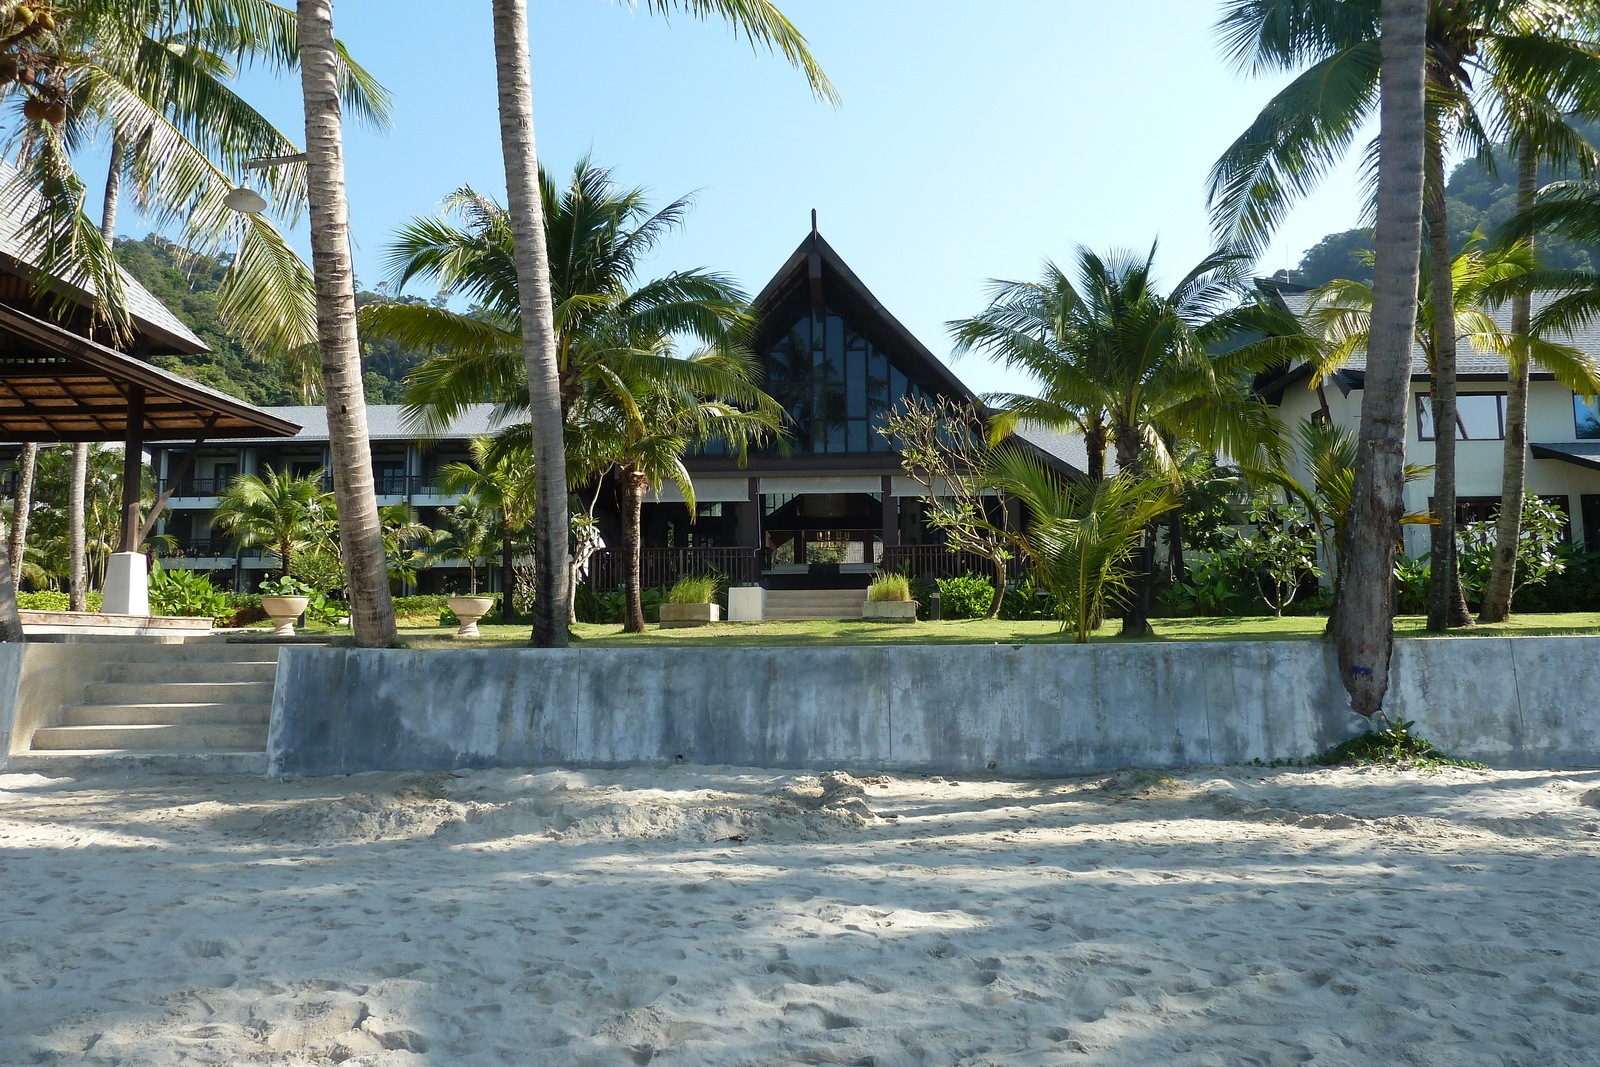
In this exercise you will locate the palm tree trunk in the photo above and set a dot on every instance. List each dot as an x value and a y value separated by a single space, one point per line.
1447 606
1094 442
78 578
1363 628
508 572
538 326
1177 569
1136 604
360 531
633 486
10 621
995 604
1501 586
78 567
22 504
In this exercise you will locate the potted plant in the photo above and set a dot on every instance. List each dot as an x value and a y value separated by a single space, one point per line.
468 610
284 600
692 601
889 599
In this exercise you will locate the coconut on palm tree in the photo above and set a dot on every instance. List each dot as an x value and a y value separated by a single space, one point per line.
1110 348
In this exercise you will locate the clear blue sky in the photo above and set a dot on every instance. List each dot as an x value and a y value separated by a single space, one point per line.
974 140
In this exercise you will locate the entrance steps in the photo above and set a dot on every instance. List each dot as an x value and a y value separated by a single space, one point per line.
199 707
795 605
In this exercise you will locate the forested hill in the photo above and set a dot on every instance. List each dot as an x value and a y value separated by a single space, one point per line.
1478 198
188 285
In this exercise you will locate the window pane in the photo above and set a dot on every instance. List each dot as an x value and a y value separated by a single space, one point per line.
1478 417
877 380
1586 416
857 436
1424 417
856 384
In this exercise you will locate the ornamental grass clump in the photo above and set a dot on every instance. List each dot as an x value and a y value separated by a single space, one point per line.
693 589
889 587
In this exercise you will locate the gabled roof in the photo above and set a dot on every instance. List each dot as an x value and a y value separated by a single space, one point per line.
160 329
815 274
58 386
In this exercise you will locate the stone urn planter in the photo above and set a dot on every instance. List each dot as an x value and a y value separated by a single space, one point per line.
889 610
284 610
675 615
469 609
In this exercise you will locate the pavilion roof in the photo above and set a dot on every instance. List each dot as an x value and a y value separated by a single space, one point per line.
57 386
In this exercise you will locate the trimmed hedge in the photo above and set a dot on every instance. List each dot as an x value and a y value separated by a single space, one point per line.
52 600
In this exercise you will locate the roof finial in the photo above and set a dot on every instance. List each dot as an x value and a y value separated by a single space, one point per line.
813 222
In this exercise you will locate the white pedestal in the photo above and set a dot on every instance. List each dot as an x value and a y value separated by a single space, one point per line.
746 603
127 589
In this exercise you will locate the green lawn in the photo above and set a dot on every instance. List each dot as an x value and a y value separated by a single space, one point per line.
967 632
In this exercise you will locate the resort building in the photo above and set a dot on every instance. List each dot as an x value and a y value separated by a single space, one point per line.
824 511
1563 429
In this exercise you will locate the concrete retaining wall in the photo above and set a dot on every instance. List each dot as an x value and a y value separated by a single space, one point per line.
38 677
1016 709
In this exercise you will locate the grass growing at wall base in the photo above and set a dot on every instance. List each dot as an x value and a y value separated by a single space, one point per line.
973 632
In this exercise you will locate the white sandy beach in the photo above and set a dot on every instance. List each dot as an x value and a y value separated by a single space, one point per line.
689 916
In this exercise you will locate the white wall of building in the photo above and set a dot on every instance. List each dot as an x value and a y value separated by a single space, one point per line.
1478 463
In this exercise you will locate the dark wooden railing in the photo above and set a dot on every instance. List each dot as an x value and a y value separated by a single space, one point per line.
663 566
936 561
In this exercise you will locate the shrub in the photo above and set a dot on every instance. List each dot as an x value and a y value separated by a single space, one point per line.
286 586
1575 588
693 589
1027 600
53 600
44 600
608 605
966 596
889 587
185 592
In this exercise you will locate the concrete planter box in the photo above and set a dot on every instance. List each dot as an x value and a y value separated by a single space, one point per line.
889 610
674 615
469 609
284 610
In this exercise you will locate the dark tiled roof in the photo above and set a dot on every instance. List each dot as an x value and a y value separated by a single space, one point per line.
1581 453
1067 447
1469 359
385 422
146 310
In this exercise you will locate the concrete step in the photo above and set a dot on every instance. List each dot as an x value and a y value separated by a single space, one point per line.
817 594
163 714
215 692
118 761
190 737
205 651
220 671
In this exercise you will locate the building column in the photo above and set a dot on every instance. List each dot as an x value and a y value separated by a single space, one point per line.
891 516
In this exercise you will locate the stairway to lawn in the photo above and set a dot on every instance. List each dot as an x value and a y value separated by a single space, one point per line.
791 605
201 706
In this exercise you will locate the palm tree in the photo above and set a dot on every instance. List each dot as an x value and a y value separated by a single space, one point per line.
22 502
1151 366
1363 625
608 322
1508 68
1082 533
762 24
598 234
471 533
279 511
360 529
649 437
502 482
